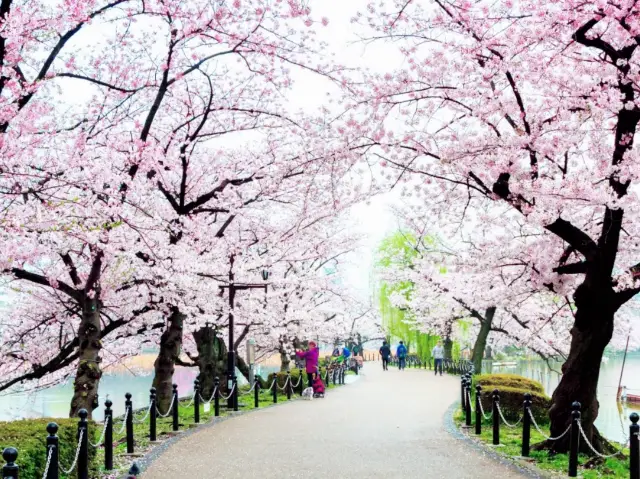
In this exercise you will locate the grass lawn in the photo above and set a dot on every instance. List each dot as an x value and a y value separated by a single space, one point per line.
511 439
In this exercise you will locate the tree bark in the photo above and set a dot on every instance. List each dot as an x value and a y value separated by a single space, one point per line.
285 360
448 348
481 340
164 366
591 332
88 373
212 359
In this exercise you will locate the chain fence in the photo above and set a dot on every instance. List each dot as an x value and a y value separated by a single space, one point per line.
104 431
75 460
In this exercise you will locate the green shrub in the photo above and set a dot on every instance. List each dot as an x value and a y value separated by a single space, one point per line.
28 436
512 401
496 381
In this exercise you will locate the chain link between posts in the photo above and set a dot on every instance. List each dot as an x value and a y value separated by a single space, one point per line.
298 383
505 421
250 390
604 456
75 460
140 421
285 384
173 400
215 389
46 467
548 438
124 421
104 430
482 411
226 398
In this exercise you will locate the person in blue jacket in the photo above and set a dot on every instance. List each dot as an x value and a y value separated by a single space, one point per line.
401 352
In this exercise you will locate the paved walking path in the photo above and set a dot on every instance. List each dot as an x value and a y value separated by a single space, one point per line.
385 425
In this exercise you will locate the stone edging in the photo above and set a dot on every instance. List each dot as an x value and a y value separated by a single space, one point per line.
147 459
518 465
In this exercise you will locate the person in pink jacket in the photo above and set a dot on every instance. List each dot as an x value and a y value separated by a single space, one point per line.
310 357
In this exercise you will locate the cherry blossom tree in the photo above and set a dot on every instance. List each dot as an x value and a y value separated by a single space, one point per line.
532 106
177 127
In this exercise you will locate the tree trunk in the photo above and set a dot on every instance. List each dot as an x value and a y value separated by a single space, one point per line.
88 373
212 359
481 340
448 348
170 347
592 330
285 360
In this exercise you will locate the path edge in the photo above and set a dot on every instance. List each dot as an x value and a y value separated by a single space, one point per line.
516 465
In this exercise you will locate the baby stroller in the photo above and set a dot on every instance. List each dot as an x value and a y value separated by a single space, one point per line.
318 386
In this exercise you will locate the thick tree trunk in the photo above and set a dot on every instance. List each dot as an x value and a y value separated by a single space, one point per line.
448 348
88 373
591 332
212 359
481 340
285 360
164 366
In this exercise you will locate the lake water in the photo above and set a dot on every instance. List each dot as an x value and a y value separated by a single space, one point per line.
54 402
613 420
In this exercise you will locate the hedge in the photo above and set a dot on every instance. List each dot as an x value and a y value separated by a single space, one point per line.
512 389
495 381
28 436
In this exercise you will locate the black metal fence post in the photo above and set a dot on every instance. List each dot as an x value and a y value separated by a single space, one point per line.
108 435
153 415
128 409
176 405
301 382
83 437
287 384
526 425
496 417
234 392
196 401
10 469
467 411
256 392
574 439
274 384
216 396
53 449
478 409
634 447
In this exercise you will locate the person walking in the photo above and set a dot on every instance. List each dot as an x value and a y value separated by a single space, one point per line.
401 352
438 356
310 357
385 354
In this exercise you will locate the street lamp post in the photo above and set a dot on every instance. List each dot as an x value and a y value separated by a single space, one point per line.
231 355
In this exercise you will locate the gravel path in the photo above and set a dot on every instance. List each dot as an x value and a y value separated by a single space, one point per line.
385 425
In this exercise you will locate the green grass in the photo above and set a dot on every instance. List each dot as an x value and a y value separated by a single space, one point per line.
511 440
164 427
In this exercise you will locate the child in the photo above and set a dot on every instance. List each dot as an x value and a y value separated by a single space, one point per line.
318 386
